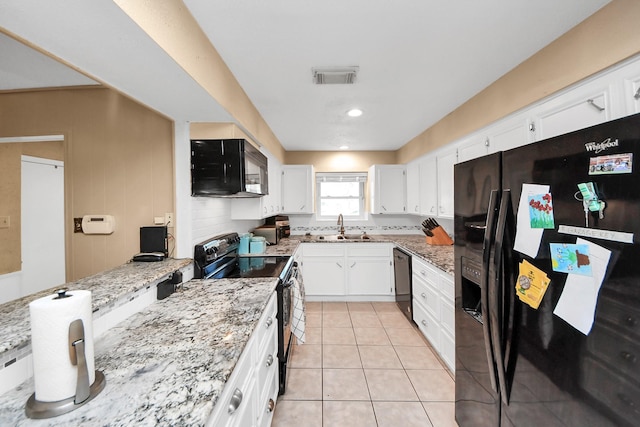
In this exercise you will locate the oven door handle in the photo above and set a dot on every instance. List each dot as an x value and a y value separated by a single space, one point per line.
293 274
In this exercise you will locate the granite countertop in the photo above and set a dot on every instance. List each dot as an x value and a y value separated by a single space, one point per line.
439 256
107 288
167 364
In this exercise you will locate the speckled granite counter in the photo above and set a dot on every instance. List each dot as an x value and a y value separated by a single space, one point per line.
107 289
168 364
440 256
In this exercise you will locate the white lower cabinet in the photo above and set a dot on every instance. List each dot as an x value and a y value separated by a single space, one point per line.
250 395
348 271
433 308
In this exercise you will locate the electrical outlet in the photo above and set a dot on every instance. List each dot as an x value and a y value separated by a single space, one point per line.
5 221
77 225
158 220
168 220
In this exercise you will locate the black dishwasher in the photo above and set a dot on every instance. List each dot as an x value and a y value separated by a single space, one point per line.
402 274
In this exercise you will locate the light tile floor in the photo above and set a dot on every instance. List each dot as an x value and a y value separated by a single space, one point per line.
364 364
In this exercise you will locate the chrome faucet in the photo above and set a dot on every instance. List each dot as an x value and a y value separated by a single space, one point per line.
341 224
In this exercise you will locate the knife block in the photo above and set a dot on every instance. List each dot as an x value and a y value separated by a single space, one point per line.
439 238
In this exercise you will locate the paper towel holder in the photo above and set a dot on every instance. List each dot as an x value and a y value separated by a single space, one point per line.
84 392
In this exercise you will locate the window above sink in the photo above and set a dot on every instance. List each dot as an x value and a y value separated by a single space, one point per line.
340 193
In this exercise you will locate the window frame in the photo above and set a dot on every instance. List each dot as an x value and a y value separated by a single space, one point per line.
360 177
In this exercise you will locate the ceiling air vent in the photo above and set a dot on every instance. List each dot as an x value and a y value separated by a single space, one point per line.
334 75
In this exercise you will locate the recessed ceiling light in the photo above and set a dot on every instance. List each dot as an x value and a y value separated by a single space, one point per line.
344 147
355 112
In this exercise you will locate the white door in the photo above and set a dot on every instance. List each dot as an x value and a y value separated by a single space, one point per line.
42 217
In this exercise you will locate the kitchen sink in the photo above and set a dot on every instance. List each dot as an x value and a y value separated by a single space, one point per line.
344 237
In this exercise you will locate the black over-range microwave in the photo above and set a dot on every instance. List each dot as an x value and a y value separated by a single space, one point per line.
227 168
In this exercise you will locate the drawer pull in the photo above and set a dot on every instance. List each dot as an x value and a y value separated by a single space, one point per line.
628 356
269 360
424 322
423 295
626 400
631 321
271 406
235 401
424 273
269 322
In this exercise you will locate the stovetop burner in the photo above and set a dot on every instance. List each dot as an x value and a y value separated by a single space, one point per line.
218 258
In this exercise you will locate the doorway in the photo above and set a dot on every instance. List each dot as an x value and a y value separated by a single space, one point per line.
42 218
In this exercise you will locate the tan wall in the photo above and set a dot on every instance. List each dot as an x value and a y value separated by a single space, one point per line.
218 131
118 160
606 38
340 161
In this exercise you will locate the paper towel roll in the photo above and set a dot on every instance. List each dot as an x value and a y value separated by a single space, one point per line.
54 376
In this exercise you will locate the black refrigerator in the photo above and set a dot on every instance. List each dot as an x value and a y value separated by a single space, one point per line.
547 278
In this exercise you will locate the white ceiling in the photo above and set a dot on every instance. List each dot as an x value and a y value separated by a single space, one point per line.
418 59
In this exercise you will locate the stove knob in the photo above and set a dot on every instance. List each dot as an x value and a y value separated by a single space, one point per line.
215 249
209 251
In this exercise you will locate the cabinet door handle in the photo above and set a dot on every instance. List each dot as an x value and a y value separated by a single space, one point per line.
383 208
432 208
629 357
423 295
354 263
424 273
235 401
302 207
338 264
271 406
596 106
424 322
269 322
269 360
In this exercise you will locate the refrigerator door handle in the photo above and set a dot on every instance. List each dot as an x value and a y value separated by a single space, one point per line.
487 249
496 301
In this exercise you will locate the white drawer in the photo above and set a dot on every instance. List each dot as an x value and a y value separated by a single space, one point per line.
369 249
446 286
267 324
324 249
427 324
240 383
447 317
267 361
448 350
427 295
425 272
268 402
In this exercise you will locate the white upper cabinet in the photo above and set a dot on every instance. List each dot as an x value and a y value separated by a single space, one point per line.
473 148
429 186
511 133
274 198
413 188
630 91
582 107
446 160
297 189
387 189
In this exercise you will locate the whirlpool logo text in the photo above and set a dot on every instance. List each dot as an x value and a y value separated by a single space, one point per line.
597 147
